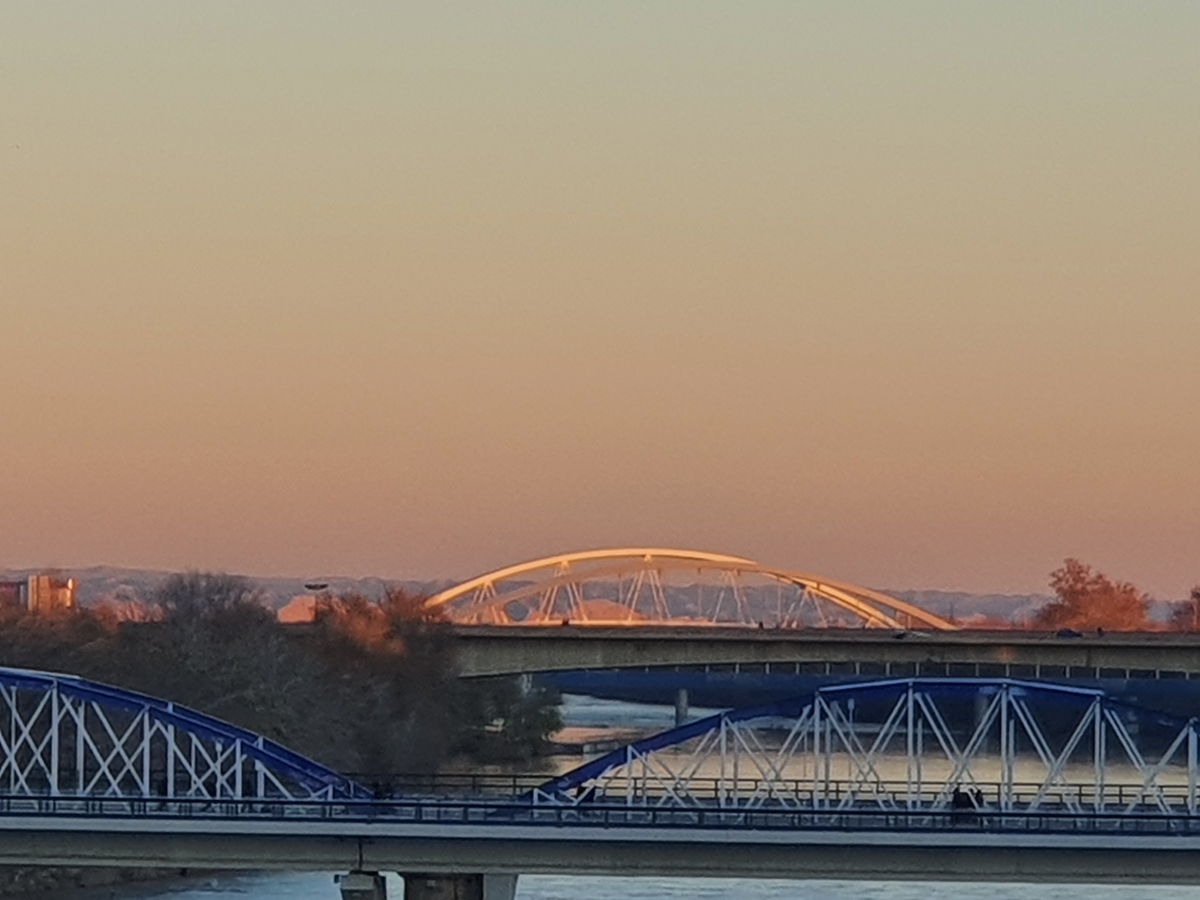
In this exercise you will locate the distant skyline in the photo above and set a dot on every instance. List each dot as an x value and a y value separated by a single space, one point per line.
908 294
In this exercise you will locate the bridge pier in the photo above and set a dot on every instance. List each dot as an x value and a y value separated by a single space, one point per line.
458 887
363 886
681 706
981 706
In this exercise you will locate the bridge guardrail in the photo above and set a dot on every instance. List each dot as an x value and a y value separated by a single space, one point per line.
832 792
452 812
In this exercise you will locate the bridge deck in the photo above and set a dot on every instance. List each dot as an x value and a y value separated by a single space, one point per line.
437 836
511 649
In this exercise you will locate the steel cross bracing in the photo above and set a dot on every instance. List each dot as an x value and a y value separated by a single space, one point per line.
909 746
647 585
62 736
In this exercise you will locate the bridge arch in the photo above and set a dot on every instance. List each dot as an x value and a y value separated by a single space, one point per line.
61 735
909 745
634 585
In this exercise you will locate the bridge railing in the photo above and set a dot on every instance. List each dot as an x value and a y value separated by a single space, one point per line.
832 794
798 792
466 785
18 811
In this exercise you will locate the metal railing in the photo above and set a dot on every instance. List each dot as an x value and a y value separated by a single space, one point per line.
832 793
497 814
890 794
453 784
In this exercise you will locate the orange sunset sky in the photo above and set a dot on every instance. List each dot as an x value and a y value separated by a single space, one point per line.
904 293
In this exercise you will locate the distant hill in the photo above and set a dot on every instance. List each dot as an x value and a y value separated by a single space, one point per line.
98 584
962 606
109 583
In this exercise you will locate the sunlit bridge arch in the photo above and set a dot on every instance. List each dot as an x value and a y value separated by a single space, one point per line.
664 586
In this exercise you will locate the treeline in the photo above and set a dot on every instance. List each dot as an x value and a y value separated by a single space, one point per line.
369 687
1086 599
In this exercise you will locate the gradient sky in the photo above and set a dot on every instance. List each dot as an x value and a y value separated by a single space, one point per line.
904 293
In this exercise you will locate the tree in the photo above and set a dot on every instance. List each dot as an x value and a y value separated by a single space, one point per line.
371 687
204 595
1087 599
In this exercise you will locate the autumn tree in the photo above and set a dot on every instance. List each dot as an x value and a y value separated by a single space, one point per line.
370 687
1087 599
415 711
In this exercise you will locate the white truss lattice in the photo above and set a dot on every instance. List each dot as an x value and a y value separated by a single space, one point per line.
653 585
910 745
65 737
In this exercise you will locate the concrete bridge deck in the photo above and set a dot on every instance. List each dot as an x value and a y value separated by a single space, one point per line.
513 649
1112 849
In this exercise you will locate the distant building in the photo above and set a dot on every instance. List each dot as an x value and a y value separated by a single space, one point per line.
301 609
45 593
12 593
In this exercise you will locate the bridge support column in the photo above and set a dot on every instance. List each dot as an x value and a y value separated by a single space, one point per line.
459 887
363 886
681 706
981 704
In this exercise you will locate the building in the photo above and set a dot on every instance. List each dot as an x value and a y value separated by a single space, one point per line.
12 593
45 593
300 610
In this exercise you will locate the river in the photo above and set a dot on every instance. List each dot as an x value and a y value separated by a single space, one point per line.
314 886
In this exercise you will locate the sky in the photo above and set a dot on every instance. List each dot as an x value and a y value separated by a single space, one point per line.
907 294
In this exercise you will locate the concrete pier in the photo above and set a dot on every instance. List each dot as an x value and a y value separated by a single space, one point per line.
681 706
459 887
363 886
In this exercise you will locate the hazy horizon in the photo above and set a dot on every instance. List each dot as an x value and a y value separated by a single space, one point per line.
901 294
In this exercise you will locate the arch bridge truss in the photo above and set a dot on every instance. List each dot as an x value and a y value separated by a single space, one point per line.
907 746
62 736
641 585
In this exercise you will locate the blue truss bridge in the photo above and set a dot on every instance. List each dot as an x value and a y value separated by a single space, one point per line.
902 778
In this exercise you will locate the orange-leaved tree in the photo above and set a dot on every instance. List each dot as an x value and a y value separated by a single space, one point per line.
1087 599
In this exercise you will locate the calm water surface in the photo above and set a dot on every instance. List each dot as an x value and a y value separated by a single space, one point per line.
543 887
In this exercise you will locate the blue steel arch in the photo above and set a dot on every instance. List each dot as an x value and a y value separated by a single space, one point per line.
1137 757
62 735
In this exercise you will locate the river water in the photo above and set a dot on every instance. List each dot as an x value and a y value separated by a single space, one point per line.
315 886
589 713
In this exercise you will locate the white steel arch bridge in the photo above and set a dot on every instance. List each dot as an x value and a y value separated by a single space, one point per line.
655 585
909 746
